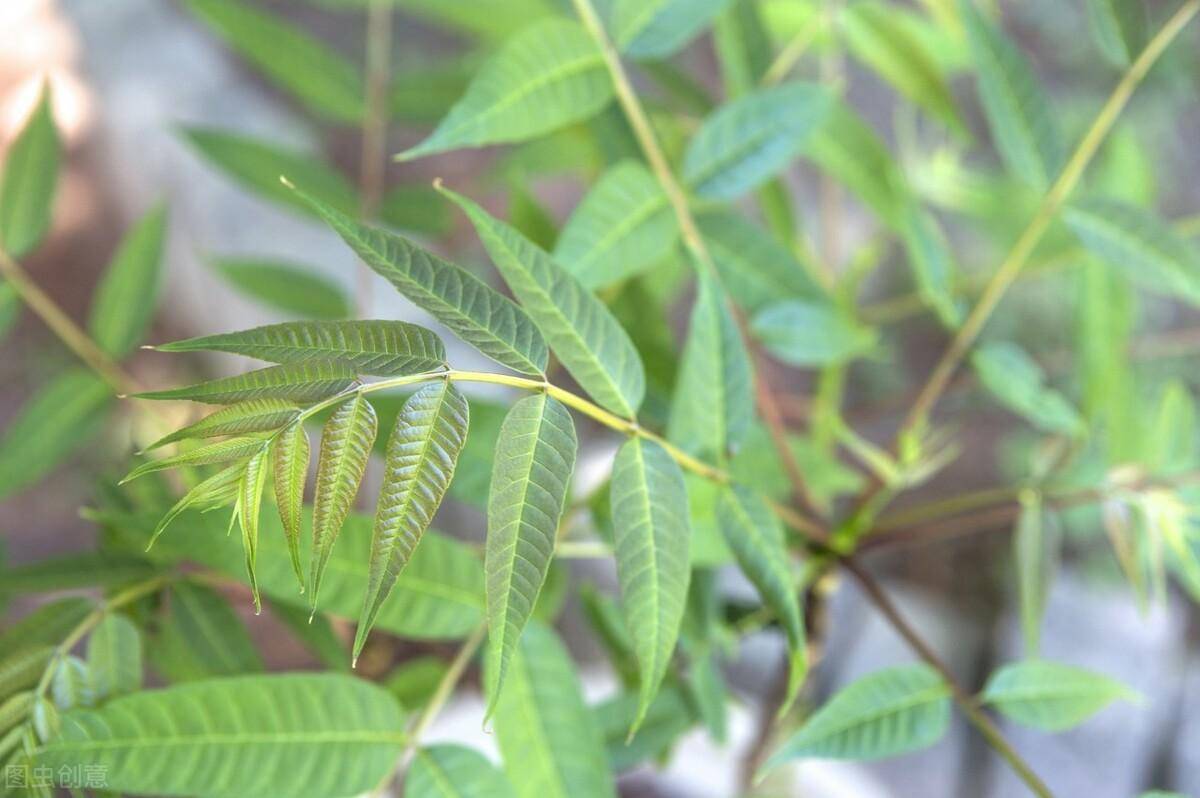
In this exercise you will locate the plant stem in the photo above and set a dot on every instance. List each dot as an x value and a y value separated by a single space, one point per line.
690 233
1011 267
445 688
793 51
966 703
373 155
67 330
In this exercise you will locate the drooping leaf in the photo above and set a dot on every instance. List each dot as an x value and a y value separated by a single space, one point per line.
1119 27
227 451
875 34
591 344
201 635
285 286
890 712
804 333
345 447
216 491
545 77
930 259
750 139
56 421
28 181
1035 558
1019 114
548 738
478 314
422 453
652 540
285 734
326 83
254 415
713 403
128 293
249 507
658 28
114 657
756 537
294 382
1138 244
534 460
439 596
382 348
1051 696
754 267
623 226
454 771
289 461
845 147
1018 382
257 165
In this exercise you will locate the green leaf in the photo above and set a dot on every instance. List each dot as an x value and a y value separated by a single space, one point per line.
316 633
652 540
1035 559
414 682
622 227
931 261
670 716
755 268
381 348
535 457
46 625
234 449
28 182
548 738
13 712
890 712
249 508
1051 696
756 538
1019 383
713 403
1139 245
439 596
70 686
658 28
295 382
530 217
846 148
71 571
283 734
10 308
476 313
216 491
747 141
57 420
289 462
257 165
345 447
323 81
546 77
803 333
422 453
254 415
1119 27
591 344
454 771
22 668
743 47
285 286
416 208
114 657
1018 111
128 293
202 636
875 34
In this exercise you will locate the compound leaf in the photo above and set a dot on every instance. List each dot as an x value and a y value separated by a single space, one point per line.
653 541
534 460
419 463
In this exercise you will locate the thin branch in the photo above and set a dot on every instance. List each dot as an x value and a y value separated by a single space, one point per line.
966 703
792 52
373 155
445 688
67 330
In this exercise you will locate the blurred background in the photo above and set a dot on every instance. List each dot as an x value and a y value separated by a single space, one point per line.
131 77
